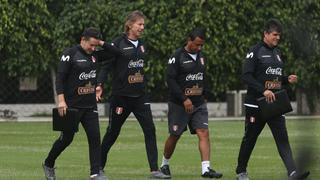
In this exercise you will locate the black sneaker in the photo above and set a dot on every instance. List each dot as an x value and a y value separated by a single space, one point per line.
212 174
165 170
299 176
49 172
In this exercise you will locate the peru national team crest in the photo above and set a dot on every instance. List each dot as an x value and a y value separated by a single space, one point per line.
142 49
119 110
93 59
252 119
202 60
278 57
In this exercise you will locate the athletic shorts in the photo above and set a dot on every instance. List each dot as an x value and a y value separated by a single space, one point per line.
179 119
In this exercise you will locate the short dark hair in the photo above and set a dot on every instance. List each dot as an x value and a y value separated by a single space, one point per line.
272 25
91 32
197 32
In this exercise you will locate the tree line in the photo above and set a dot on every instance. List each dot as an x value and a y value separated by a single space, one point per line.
33 33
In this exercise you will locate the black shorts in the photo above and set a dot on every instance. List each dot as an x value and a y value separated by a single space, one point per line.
179 119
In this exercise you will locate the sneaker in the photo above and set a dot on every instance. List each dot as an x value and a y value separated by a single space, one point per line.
242 176
298 176
97 177
212 174
49 172
159 175
165 170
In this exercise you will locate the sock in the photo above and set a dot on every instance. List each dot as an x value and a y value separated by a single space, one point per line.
205 166
164 161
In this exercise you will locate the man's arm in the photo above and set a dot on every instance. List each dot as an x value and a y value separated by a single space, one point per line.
206 90
105 69
108 51
107 56
63 72
289 79
62 105
248 70
172 75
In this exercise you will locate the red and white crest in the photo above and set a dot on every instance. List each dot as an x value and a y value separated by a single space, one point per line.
252 119
142 49
119 110
202 60
93 59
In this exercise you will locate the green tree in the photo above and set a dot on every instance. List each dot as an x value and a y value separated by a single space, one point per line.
5 24
303 41
25 37
34 33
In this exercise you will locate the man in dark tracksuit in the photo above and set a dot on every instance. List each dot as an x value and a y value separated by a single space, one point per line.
75 85
263 73
128 91
187 105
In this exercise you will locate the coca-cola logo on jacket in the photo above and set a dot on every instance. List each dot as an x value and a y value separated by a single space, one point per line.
136 64
274 71
195 77
86 76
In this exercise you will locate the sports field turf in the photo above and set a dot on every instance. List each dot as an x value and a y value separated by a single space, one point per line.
23 147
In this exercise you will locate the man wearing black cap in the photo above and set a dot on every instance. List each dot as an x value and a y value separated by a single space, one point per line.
75 85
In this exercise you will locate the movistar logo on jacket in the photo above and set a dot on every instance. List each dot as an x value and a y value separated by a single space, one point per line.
65 58
172 60
249 55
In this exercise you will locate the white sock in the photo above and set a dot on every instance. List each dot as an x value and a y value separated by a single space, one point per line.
164 161
205 166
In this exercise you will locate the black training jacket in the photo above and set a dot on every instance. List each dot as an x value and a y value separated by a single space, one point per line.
76 77
128 78
262 70
186 78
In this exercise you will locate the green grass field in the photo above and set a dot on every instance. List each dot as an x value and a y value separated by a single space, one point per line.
25 145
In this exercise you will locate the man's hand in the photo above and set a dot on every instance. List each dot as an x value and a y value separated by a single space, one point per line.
292 78
270 97
101 43
62 105
99 93
188 106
